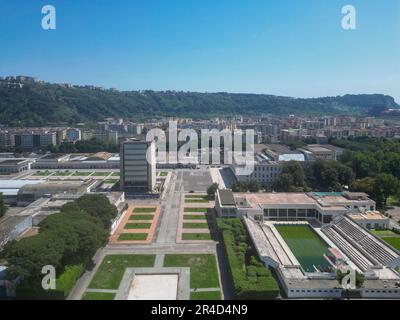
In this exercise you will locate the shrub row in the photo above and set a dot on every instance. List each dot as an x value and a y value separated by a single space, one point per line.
251 279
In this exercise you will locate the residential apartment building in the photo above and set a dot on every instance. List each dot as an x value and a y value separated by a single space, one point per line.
35 140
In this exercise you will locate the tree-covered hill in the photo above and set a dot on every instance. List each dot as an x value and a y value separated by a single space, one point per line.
38 104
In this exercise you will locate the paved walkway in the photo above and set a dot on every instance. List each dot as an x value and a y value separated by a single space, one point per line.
102 290
159 262
205 289
170 214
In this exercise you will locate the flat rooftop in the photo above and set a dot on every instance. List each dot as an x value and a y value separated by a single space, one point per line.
334 202
11 162
226 198
52 156
275 198
369 215
316 148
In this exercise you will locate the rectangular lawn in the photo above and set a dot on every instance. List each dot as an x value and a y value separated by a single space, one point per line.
144 210
63 173
383 233
203 268
98 296
393 241
196 236
82 174
41 173
205 295
141 217
196 196
137 226
101 174
132 237
112 269
195 225
191 210
195 217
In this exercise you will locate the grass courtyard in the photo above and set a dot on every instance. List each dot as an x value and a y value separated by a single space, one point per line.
306 245
112 268
203 268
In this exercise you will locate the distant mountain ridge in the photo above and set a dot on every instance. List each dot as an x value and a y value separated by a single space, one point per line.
38 104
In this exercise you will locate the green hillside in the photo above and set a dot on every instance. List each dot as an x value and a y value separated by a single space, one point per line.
41 104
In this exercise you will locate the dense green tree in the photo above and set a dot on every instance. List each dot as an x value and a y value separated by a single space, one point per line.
3 207
96 205
363 185
292 178
69 237
379 188
253 186
211 190
284 183
385 186
331 175
28 256
239 187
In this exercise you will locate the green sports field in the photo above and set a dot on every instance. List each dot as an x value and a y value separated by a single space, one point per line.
306 245
393 241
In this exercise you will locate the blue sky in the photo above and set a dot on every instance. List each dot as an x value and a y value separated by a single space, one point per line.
285 47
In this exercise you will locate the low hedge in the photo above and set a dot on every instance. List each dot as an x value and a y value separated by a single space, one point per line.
251 279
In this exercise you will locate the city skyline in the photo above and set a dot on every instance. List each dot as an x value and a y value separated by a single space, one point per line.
282 48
